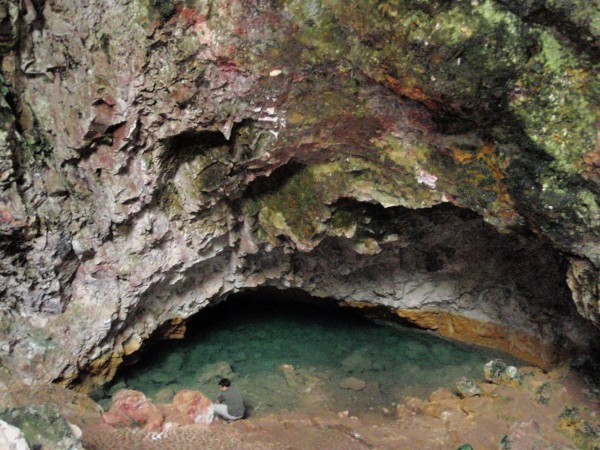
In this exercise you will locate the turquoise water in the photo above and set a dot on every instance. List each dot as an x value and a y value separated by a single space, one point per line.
250 341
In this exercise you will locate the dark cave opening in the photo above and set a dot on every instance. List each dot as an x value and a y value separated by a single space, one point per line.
283 347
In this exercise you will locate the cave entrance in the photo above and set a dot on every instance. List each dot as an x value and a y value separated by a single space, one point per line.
287 350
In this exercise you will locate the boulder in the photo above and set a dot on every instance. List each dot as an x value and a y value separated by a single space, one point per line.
189 407
214 372
497 371
131 408
11 438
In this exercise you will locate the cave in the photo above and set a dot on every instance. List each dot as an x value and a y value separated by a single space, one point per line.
442 276
429 164
281 345
442 269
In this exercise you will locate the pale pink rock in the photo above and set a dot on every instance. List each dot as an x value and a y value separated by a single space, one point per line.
132 408
189 407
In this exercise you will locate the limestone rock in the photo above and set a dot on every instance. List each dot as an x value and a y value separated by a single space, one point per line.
214 372
525 435
357 362
478 406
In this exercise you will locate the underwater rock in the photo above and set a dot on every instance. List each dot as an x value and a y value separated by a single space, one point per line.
214 372
121 385
416 351
353 384
174 362
162 378
164 395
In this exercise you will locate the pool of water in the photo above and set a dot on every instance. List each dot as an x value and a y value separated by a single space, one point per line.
289 355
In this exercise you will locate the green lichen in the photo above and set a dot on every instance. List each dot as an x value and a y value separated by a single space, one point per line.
297 209
42 426
302 208
342 223
558 101
171 202
542 393
166 8
460 53
579 430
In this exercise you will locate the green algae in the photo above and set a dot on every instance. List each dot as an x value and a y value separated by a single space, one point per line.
460 53
297 209
584 435
558 102
301 208
166 8
153 8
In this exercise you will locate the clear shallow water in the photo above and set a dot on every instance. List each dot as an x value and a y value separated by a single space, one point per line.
324 346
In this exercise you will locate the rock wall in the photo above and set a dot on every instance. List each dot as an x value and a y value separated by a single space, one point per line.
158 155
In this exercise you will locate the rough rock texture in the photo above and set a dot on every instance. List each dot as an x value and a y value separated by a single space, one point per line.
131 408
43 427
537 414
156 156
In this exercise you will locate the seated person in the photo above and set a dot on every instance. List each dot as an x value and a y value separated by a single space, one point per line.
230 404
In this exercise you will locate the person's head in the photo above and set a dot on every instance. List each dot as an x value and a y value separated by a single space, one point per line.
224 384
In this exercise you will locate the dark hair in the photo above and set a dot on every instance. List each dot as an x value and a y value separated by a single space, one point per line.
224 382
